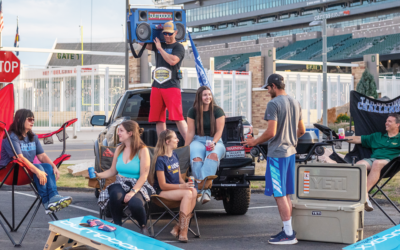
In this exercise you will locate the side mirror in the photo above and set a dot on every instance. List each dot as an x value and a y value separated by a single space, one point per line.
98 120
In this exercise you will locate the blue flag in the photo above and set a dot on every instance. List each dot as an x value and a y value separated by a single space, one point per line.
201 74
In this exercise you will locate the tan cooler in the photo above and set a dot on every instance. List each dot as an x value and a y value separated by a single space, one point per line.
329 202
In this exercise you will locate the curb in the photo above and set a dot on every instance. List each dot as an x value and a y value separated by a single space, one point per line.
65 189
86 190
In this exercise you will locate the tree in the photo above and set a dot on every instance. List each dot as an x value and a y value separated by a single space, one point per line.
366 85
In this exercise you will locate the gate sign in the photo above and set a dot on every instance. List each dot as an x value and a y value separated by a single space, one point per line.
9 66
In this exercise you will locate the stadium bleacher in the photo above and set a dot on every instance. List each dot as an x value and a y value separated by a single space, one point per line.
340 47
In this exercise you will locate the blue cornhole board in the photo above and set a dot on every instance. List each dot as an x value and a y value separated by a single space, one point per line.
388 239
121 238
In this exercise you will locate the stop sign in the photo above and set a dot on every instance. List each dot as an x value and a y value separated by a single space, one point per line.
9 66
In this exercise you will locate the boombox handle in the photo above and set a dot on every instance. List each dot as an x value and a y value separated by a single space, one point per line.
131 45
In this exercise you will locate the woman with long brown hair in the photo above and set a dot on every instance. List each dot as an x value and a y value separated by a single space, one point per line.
27 146
206 122
165 175
131 165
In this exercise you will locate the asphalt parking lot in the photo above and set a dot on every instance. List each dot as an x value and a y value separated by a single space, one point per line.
218 230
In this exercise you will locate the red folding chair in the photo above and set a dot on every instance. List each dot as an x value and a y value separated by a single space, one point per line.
17 173
48 139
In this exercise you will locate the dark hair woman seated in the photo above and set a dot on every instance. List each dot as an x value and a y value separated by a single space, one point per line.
27 146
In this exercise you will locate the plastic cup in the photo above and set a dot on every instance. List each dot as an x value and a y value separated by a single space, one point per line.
208 145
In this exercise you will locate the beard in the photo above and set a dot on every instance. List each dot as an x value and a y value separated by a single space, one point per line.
273 94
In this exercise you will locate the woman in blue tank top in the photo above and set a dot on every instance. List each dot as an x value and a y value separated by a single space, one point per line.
131 165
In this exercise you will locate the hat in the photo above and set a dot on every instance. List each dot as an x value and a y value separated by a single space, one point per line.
274 79
169 27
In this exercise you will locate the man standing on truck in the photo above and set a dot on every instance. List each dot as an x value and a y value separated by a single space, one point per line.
166 90
285 126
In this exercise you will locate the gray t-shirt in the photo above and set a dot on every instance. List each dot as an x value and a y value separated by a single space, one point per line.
28 149
287 112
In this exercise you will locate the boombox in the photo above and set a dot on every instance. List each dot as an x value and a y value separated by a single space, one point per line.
147 24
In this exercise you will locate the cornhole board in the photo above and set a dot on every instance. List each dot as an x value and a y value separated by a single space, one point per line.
388 239
68 233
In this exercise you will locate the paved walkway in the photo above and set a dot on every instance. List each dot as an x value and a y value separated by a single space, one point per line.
218 230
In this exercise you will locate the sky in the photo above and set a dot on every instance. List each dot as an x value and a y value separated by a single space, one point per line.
41 22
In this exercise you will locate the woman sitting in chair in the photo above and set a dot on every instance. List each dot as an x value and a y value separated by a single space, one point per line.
131 165
165 175
27 146
205 122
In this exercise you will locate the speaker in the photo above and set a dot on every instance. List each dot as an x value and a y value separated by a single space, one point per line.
147 24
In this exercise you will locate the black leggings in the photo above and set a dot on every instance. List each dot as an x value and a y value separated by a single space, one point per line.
136 204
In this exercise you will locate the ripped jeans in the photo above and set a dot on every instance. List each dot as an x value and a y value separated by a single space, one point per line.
205 167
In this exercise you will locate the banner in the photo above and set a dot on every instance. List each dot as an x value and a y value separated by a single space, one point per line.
369 116
201 74
7 107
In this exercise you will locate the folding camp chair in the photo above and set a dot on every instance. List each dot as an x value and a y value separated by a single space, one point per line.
126 211
168 205
387 172
184 163
16 173
367 121
62 136
203 185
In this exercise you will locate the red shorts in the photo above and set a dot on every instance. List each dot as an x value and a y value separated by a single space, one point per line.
162 99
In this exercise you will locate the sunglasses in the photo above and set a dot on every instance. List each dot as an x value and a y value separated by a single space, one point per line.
31 119
167 34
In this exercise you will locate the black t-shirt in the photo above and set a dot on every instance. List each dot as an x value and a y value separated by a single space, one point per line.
175 49
218 112
170 167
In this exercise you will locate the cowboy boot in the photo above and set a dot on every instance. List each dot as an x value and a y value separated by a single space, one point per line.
184 221
175 230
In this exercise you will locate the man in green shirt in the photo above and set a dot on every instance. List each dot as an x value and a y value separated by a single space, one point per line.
384 146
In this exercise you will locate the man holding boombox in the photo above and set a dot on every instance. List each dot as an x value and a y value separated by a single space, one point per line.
166 91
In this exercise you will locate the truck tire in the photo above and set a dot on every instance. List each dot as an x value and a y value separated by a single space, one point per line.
237 201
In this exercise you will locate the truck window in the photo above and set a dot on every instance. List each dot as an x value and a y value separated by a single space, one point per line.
138 106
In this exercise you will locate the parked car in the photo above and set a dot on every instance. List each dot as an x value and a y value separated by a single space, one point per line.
233 183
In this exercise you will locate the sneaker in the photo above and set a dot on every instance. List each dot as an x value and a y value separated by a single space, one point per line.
276 235
283 239
49 209
206 198
61 201
368 206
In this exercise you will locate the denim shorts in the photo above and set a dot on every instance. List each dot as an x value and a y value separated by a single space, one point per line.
371 160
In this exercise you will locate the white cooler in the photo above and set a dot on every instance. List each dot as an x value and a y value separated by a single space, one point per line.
329 202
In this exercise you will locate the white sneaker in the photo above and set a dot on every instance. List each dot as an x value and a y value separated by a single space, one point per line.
206 198
368 206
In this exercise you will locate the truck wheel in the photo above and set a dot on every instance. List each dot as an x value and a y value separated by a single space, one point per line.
237 201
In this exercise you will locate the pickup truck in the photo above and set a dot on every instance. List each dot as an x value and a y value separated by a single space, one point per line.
234 174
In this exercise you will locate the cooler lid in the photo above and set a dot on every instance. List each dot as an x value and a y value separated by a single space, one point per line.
331 182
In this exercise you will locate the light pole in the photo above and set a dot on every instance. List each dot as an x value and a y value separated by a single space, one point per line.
324 69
